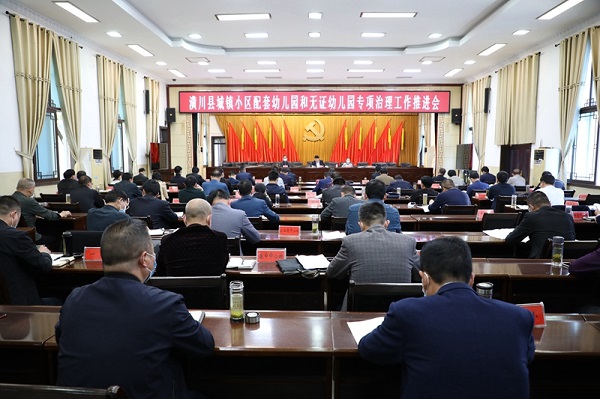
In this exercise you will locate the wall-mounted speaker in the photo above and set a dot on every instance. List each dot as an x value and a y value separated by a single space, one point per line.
486 101
146 102
457 116
170 115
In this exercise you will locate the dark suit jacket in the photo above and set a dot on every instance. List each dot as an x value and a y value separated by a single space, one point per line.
181 251
254 207
161 214
30 209
199 179
399 184
212 185
322 184
20 263
497 190
177 179
320 165
471 344
330 193
338 207
289 180
131 324
245 176
274 188
187 194
129 188
140 179
451 197
417 196
487 178
87 198
264 197
65 186
98 219
545 223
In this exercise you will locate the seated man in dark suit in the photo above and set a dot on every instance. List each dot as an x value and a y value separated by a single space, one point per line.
289 179
440 176
450 195
66 185
540 223
149 205
195 250
399 183
233 182
333 192
317 163
338 207
141 334
476 184
243 175
482 345
426 183
260 192
196 174
128 186
253 206
140 178
192 190
486 176
117 202
20 261
285 162
323 183
273 188
86 196
177 179
214 183
500 188
375 192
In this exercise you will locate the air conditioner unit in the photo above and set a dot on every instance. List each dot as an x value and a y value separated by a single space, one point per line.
91 163
545 158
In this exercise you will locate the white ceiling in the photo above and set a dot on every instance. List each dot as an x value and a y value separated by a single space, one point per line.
468 27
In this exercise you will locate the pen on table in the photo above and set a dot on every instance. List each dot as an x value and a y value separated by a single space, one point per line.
3 315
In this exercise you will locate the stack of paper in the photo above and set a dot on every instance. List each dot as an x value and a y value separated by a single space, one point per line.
156 233
332 235
501 234
239 263
309 262
59 260
361 328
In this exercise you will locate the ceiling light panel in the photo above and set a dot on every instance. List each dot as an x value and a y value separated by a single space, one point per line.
469 62
262 70
114 33
435 36
161 63
363 62
314 35
177 73
388 14
372 34
559 9
216 70
453 72
411 70
355 70
195 36
315 62
315 15
69 7
258 35
492 49
243 17
521 32
140 50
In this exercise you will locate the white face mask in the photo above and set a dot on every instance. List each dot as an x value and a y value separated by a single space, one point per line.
428 282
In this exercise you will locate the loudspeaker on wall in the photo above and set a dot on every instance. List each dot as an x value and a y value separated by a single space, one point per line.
457 116
146 102
170 115
486 100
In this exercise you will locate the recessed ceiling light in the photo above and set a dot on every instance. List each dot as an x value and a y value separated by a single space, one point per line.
388 14
242 17
453 72
266 62
372 34
195 36
263 70
435 36
315 70
140 50
161 63
315 15
314 35
559 9
353 70
177 73
315 62
363 62
203 63
521 32
114 33
260 35
427 62
411 70
67 6
469 62
216 70
492 49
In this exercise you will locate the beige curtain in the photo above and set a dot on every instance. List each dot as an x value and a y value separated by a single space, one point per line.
504 105
130 114
69 85
572 54
595 42
32 51
109 73
480 116
466 104
152 117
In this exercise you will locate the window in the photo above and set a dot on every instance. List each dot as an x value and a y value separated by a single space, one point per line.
119 156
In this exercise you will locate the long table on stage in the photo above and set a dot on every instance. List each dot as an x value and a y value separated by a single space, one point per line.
411 174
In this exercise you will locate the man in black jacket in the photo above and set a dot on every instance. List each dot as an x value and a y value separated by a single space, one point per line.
87 197
66 185
128 187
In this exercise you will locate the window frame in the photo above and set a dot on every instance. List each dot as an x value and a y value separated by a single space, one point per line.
51 110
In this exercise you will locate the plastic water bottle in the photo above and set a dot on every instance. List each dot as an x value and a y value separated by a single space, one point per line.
485 290
425 198
513 201
558 244
276 200
569 210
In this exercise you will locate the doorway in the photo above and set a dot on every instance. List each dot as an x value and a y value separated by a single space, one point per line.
516 157
219 150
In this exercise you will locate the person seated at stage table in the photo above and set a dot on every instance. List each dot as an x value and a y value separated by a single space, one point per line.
338 207
540 223
128 186
196 250
116 174
253 207
31 209
398 183
260 192
457 180
517 179
466 343
375 192
119 331
347 164
214 183
196 174
177 179
243 175
164 194
450 195
274 188
21 262
149 205
500 188
375 255
285 163
233 222
486 176
192 190
86 196
440 176
317 163
476 184
117 202
66 185
332 192
384 177
270 179
417 195
554 194
323 183
141 177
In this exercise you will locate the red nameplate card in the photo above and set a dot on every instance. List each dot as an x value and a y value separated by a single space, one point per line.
572 203
479 195
578 215
289 231
364 181
482 212
582 196
314 202
92 253
176 200
539 317
436 185
311 194
173 189
295 189
258 180
270 254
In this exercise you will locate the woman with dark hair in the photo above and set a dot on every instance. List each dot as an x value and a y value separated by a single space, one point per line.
163 186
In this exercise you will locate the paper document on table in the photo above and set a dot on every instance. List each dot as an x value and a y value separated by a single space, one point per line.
61 261
523 207
156 232
332 235
361 328
55 256
179 214
501 234
239 263
198 315
425 208
310 262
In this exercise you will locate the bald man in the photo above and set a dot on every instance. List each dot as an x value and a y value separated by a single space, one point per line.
196 250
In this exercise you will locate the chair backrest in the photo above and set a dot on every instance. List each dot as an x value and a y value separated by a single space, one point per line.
331 164
569 193
520 188
491 221
53 197
257 222
591 199
405 164
234 246
391 163
362 164
406 191
147 219
177 207
296 163
460 210
79 239
338 223
22 391
199 292
377 297
64 206
572 249
227 164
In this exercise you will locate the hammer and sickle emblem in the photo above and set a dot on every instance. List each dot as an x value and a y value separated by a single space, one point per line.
317 129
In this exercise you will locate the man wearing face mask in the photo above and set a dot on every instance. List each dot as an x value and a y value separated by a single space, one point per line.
119 331
20 260
117 202
471 344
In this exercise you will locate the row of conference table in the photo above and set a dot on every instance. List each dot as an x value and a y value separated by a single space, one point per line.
305 354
